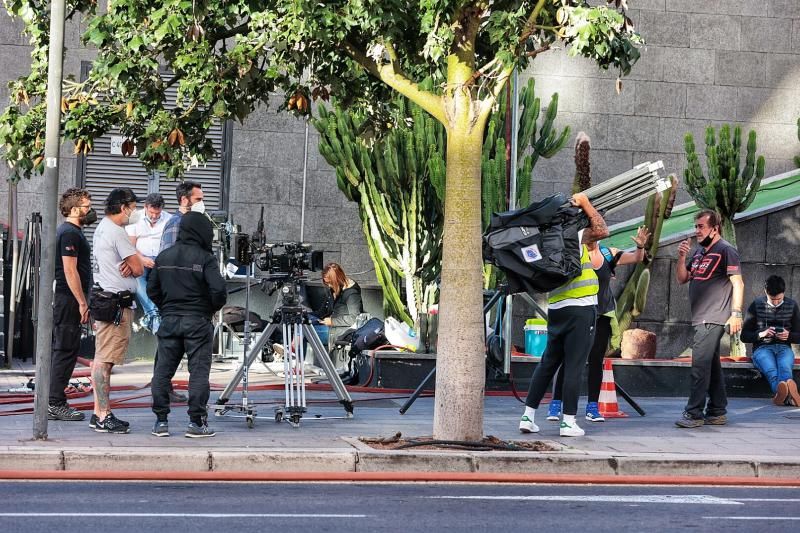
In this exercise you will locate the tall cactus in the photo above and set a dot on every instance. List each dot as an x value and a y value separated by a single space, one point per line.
797 157
398 185
725 190
537 137
633 298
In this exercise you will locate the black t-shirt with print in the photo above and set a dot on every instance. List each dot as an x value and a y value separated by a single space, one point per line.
71 242
710 290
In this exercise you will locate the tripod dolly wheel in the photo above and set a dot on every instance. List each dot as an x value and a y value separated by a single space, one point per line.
251 422
279 416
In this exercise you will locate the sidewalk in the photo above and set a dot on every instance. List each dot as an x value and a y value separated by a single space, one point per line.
761 440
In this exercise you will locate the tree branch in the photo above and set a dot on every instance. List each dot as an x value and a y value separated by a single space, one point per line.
236 30
534 53
530 24
388 74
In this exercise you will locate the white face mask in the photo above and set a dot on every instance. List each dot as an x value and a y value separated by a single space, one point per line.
135 216
198 207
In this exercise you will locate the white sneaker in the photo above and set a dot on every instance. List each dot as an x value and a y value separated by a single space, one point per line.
526 425
571 430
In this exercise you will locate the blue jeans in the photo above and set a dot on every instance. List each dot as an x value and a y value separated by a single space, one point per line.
148 307
775 362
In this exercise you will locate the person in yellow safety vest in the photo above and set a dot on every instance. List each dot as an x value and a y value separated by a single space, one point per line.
571 317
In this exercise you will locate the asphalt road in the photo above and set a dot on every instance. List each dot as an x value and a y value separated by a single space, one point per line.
239 507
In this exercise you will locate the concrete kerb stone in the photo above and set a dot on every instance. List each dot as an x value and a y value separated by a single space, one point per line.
778 469
543 463
646 466
151 460
420 461
283 461
25 459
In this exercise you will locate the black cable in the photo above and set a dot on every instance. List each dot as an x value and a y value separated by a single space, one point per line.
461 444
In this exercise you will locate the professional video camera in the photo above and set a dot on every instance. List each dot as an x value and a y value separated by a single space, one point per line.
289 258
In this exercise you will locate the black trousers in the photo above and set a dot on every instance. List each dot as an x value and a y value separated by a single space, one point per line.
65 346
707 378
570 334
192 335
596 355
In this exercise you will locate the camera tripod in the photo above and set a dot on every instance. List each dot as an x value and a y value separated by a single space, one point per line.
296 328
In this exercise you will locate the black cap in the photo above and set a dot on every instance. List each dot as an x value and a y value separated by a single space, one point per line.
121 196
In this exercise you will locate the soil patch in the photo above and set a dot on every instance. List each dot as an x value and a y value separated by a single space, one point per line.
487 444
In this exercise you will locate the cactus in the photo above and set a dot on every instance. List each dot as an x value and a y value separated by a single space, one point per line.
797 157
583 174
632 300
398 183
725 190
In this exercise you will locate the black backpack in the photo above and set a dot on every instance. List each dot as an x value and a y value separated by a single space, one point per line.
369 336
537 247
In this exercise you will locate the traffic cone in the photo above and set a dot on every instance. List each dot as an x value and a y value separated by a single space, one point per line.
607 403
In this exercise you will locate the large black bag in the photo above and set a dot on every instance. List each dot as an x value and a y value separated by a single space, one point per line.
369 336
537 247
234 316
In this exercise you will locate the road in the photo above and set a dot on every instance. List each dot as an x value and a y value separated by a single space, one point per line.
32 506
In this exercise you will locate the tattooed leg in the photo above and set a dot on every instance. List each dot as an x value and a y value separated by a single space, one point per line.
101 373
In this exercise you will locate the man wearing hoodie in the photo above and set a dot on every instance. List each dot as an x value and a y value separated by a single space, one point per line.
188 288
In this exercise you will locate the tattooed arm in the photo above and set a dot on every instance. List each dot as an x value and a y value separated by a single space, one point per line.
597 229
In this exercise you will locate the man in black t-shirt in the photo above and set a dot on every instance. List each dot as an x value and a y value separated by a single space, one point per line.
70 308
716 293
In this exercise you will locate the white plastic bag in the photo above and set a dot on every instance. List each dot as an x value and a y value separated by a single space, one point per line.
400 334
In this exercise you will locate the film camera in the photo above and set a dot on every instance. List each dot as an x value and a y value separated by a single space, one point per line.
278 260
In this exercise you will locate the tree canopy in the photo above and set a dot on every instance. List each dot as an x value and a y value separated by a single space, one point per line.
227 56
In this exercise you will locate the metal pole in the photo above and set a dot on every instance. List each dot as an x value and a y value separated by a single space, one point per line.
305 183
52 144
512 204
12 305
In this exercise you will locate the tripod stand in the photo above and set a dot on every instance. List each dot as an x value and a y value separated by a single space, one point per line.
296 328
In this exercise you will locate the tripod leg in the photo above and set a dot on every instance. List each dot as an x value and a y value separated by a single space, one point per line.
418 391
254 351
322 357
630 400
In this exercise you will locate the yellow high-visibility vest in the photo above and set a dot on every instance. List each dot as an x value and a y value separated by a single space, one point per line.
586 284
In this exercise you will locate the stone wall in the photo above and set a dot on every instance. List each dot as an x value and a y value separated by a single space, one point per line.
706 62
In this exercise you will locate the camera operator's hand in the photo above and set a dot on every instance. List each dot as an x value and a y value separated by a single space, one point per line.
783 335
767 333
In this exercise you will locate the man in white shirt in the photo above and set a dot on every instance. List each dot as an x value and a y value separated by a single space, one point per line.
146 236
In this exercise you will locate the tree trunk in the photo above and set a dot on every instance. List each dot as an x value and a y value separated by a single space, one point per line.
460 365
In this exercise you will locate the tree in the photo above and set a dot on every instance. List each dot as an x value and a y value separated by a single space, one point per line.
227 56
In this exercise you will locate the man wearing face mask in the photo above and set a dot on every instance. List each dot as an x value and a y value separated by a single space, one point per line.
70 308
716 294
190 198
146 236
116 266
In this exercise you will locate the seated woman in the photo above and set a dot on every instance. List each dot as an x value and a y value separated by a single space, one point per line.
346 305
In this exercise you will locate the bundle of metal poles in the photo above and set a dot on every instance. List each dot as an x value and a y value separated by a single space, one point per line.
627 188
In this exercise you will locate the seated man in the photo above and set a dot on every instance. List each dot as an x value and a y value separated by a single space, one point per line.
772 325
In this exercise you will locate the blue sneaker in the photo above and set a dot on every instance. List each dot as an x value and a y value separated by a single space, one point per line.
554 413
593 413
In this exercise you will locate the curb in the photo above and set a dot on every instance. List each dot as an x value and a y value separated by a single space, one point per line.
363 465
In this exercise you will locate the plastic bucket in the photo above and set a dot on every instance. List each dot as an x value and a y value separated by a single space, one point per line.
535 336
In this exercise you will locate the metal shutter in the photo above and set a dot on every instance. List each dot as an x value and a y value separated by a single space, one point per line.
100 171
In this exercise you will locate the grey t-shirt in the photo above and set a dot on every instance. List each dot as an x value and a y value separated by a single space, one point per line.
710 290
110 246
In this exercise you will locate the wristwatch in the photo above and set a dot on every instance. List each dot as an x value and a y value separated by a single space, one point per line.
736 314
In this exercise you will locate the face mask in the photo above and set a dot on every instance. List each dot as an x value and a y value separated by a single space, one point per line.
89 218
134 217
705 242
199 207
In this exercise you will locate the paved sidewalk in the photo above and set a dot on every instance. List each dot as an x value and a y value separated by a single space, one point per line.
761 440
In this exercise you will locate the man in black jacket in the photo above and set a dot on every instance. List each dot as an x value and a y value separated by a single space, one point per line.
187 287
772 325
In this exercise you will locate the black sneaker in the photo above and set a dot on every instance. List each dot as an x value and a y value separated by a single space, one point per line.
198 431
111 424
64 412
93 421
161 428
686 421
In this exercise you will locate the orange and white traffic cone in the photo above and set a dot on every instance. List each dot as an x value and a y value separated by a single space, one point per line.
607 404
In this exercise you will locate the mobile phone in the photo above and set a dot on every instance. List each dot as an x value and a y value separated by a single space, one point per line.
778 329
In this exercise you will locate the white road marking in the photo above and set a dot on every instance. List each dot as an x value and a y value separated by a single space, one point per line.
752 517
655 498
766 499
184 515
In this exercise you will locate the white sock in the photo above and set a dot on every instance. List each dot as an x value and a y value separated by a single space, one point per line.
569 420
530 412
